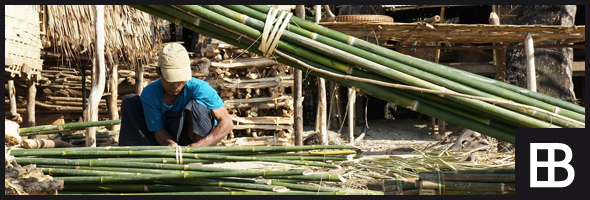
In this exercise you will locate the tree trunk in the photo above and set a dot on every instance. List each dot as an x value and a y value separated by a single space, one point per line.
98 77
553 65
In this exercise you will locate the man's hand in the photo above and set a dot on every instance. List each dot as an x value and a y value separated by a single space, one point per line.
164 138
224 126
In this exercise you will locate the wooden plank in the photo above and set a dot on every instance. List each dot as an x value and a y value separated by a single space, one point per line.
476 68
579 68
244 63
263 127
581 29
263 120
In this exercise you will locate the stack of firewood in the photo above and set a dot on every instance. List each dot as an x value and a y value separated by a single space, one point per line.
257 93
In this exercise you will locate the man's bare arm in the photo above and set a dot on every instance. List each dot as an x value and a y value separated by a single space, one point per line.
224 126
164 138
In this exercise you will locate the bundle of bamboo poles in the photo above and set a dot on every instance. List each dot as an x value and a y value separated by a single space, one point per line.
472 101
186 170
467 182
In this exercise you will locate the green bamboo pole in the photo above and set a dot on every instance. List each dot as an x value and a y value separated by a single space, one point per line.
214 193
103 163
211 149
68 126
116 169
391 73
490 178
398 71
241 185
138 188
468 186
480 82
230 158
247 20
81 172
187 17
51 131
321 188
177 176
374 91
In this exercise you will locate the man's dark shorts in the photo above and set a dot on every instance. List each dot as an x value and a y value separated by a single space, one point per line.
134 129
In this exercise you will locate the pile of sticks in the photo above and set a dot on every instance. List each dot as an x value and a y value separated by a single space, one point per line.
256 91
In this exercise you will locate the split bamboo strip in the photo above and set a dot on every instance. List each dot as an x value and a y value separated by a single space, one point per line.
312 177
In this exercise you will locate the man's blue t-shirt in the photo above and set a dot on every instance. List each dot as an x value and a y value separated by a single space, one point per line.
152 99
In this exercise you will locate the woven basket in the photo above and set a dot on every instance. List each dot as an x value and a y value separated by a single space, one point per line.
359 18
22 40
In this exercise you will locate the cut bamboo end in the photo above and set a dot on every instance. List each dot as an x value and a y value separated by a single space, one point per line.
308 172
342 179
280 189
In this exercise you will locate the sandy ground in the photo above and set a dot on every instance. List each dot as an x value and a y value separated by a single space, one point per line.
392 136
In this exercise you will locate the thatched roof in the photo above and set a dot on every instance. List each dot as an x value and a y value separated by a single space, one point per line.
130 34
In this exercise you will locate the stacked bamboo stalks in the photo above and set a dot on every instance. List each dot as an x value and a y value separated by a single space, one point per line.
64 135
185 170
490 107
468 182
255 91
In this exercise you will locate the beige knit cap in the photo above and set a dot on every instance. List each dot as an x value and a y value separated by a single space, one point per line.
175 63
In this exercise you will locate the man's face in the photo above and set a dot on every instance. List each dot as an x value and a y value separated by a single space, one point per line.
172 88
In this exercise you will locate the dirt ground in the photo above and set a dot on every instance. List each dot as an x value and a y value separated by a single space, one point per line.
397 136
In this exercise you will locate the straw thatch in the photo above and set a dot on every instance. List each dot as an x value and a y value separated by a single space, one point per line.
131 35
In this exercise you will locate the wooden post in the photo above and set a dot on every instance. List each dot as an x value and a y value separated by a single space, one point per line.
333 122
138 80
112 100
31 105
98 76
84 106
322 102
297 98
441 123
351 101
499 53
12 96
530 63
